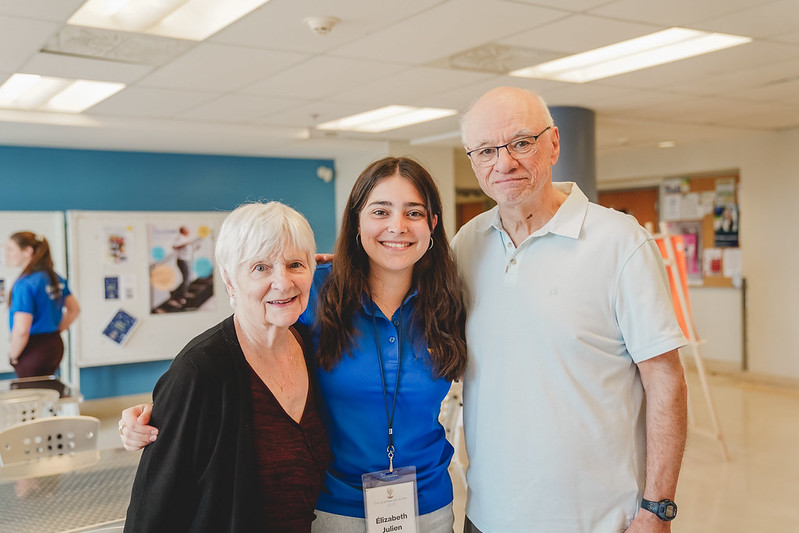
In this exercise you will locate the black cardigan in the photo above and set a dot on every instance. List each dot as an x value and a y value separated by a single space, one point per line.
200 474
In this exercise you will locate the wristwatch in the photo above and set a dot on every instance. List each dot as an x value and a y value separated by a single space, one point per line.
666 510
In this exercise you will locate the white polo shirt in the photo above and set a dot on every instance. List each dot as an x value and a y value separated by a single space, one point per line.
553 402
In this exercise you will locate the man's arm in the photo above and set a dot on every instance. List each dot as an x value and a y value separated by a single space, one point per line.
666 426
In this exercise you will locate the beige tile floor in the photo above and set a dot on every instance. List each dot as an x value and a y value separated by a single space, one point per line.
756 491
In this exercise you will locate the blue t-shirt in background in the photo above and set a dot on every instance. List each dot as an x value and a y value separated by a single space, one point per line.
33 294
355 412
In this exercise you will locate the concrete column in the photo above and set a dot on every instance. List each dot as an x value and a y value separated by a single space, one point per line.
577 162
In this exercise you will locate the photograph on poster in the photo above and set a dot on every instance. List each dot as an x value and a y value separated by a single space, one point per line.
725 225
181 267
118 241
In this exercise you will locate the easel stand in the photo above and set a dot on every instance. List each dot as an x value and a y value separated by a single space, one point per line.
675 267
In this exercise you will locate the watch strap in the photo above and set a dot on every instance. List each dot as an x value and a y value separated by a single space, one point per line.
659 508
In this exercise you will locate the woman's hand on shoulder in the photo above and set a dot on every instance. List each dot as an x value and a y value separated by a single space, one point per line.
134 430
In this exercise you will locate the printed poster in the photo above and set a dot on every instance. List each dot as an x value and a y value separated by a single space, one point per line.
181 267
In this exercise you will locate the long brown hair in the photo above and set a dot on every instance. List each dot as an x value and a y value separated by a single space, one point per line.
40 260
440 298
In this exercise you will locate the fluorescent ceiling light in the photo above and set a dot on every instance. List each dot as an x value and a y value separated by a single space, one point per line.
386 118
656 48
181 19
40 93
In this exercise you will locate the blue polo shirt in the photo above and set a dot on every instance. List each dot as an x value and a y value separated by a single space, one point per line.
33 294
355 413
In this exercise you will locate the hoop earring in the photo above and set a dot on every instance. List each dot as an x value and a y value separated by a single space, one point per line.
358 240
431 243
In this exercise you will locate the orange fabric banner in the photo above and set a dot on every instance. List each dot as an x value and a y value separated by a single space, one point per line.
678 261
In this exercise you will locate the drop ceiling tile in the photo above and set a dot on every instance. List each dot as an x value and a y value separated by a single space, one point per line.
221 68
320 77
21 38
52 10
571 5
736 83
777 117
80 68
760 21
244 108
279 25
785 91
704 67
674 12
588 95
313 113
568 35
144 102
449 28
410 85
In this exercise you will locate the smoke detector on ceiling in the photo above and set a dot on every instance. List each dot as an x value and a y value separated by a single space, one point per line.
321 25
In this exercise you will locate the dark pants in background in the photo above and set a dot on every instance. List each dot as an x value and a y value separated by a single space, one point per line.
41 355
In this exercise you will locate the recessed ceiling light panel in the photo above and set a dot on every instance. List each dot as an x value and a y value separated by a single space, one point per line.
386 118
643 52
182 19
42 93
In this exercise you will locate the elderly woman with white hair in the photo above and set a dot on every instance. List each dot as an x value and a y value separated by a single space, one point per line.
246 449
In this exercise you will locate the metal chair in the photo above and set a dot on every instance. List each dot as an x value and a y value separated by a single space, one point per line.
18 406
48 437
66 405
40 382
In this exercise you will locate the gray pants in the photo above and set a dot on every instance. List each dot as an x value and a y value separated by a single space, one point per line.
440 521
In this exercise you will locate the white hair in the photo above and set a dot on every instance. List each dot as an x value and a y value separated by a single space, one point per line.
257 230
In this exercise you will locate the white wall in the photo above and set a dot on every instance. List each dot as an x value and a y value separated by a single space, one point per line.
769 173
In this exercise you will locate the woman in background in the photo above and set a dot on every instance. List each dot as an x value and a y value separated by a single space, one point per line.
40 307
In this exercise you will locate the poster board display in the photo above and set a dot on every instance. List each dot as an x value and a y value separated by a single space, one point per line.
705 211
148 283
50 224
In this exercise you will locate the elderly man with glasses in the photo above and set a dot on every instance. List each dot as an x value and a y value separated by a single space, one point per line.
574 396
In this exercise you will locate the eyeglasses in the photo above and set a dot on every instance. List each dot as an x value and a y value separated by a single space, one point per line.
488 155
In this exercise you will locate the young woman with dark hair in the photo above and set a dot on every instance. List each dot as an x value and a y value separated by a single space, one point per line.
40 307
391 321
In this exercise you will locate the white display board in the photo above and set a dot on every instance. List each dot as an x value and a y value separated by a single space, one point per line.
50 224
123 264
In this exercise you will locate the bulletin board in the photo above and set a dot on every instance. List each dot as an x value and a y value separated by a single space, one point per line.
50 224
705 211
135 306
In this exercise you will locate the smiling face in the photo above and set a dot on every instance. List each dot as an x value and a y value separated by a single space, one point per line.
502 116
16 256
272 291
393 227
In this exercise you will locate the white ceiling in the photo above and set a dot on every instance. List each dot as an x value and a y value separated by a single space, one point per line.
259 84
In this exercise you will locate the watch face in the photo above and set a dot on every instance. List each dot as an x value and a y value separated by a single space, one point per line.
670 511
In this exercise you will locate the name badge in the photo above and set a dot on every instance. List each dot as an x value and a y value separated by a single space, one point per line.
390 500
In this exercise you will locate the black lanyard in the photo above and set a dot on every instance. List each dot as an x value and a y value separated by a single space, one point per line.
389 418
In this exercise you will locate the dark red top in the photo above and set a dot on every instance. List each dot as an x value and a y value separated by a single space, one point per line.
291 459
